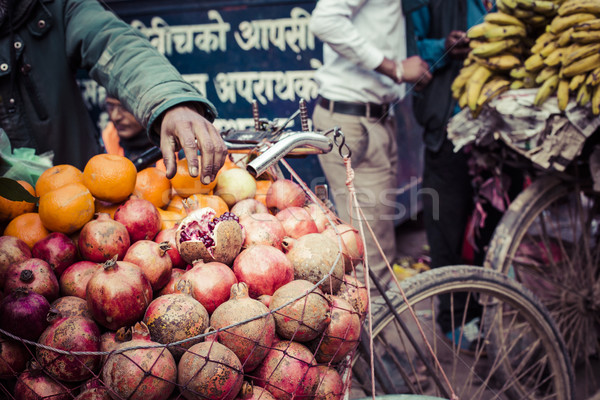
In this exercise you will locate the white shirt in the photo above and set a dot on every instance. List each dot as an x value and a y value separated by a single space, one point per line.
357 34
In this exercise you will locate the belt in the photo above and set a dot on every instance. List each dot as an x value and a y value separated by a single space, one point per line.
369 110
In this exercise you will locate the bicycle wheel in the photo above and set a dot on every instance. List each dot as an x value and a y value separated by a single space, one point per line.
549 240
518 353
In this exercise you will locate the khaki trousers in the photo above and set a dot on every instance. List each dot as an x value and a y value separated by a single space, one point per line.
374 160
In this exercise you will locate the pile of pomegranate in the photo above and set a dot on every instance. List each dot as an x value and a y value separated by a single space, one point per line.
259 302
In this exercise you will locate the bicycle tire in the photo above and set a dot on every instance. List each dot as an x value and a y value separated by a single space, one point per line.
549 240
539 368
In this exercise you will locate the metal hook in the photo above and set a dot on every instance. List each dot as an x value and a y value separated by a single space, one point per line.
340 141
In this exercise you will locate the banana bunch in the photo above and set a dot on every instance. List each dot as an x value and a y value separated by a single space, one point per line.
534 13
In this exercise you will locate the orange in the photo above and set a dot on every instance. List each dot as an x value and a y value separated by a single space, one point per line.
169 218
110 177
104 207
10 209
262 186
67 208
153 185
208 200
57 176
185 185
176 205
28 227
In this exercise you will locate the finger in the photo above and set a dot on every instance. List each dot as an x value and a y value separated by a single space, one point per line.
186 136
167 147
213 151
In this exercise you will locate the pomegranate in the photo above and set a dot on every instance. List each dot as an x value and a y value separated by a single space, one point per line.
141 373
118 294
97 393
176 317
13 358
110 340
71 306
34 384
316 257
102 238
262 228
169 288
74 279
234 185
355 292
323 217
70 334
140 217
58 250
330 385
23 313
33 274
341 335
210 283
252 392
263 268
287 371
153 260
284 193
352 245
265 299
210 371
254 330
168 235
296 222
12 251
202 236
248 207
297 317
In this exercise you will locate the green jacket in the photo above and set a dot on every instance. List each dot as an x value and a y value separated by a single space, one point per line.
40 102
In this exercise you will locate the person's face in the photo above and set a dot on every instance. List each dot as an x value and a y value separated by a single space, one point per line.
125 123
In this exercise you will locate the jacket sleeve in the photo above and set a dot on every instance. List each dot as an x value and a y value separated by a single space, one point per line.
331 23
433 51
122 60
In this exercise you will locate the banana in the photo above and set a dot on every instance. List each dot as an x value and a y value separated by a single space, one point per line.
593 77
525 4
542 41
462 100
495 32
576 82
579 6
546 90
577 52
500 18
492 48
565 37
514 85
533 63
474 85
491 89
519 72
583 95
593 24
560 24
545 7
545 74
586 36
580 66
507 4
549 48
537 20
463 76
523 14
555 58
501 62
562 94
596 100
502 7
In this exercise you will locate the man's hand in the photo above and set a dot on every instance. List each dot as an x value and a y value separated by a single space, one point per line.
416 70
183 127
457 44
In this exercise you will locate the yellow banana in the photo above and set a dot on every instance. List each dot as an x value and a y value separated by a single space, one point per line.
596 100
593 77
560 24
501 62
537 20
549 48
579 6
576 82
586 36
577 52
565 37
542 41
546 90
492 48
593 24
500 18
519 72
461 79
495 32
462 100
506 4
491 89
562 94
555 58
533 63
544 7
518 84
545 74
583 95
580 66
525 4
474 85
